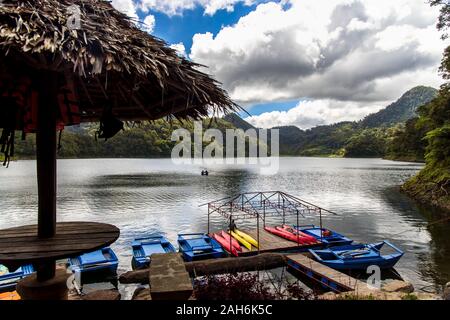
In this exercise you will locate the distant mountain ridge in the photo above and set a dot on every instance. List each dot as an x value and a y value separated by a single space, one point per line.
403 109
332 139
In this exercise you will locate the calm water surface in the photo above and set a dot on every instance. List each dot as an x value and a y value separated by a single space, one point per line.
143 197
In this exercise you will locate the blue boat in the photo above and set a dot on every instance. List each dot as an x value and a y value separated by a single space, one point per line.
8 280
143 248
100 261
198 246
358 256
327 237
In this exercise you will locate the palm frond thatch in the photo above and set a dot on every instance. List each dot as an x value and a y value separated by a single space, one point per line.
109 59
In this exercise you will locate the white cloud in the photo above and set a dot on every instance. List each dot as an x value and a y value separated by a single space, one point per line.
180 48
126 6
177 7
310 113
149 23
363 53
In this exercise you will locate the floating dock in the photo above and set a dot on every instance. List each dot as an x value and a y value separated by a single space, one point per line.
269 242
329 278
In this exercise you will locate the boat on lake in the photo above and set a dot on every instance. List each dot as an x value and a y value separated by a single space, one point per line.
198 246
326 236
9 280
99 262
358 256
143 248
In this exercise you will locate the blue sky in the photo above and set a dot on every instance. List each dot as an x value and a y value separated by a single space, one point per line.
178 29
303 62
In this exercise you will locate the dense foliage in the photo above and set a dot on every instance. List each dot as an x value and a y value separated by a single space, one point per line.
144 140
432 184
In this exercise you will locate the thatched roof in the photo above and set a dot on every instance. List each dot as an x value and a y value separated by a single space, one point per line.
109 59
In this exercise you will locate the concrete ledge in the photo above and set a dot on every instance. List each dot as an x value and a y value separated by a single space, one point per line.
169 279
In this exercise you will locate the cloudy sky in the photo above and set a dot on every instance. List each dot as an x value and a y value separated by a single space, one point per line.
303 62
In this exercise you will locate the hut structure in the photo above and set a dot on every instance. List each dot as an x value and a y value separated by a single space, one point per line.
64 62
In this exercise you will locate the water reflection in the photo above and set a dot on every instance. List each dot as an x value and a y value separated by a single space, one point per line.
144 197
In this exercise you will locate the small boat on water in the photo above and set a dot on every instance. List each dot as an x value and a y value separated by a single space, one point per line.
103 261
226 244
198 246
358 256
287 235
241 240
143 248
325 236
8 280
246 237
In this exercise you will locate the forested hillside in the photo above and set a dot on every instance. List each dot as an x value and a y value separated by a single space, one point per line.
377 135
432 184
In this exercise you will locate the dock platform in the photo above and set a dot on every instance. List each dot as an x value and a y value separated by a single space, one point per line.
329 278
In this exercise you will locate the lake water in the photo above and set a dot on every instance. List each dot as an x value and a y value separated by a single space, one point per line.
147 196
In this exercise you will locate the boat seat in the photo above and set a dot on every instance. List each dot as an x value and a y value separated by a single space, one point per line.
93 257
150 249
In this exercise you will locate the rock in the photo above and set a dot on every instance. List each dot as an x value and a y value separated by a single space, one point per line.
398 286
142 294
328 296
135 276
427 296
103 295
446 294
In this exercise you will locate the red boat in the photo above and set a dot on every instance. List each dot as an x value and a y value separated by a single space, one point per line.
286 235
225 244
289 229
234 242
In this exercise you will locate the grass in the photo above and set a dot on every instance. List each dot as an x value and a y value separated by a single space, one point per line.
409 296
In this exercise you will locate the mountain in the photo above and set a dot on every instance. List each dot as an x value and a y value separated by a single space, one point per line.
238 122
402 110
367 137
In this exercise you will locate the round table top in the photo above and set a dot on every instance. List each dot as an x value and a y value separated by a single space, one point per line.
21 244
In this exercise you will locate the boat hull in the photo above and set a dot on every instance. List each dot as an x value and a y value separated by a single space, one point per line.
358 257
225 244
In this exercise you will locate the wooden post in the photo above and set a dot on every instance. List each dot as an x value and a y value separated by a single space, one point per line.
46 165
209 212
321 231
257 229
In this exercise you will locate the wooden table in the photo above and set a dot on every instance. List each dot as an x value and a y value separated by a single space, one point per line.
21 245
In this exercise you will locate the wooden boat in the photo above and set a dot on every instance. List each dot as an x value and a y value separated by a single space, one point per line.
241 240
234 242
103 261
308 239
143 248
358 256
227 245
325 236
8 280
246 237
198 246
286 235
